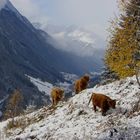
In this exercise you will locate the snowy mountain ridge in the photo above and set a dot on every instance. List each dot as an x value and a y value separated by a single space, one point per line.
75 120
78 35
77 40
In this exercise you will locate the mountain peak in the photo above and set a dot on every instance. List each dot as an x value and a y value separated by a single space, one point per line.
9 6
3 3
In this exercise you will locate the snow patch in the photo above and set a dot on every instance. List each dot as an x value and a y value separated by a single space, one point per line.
45 87
82 36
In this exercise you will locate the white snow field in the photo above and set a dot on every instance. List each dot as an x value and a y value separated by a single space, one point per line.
42 86
75 120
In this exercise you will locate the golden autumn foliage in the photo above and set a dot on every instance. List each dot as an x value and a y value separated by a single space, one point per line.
124 43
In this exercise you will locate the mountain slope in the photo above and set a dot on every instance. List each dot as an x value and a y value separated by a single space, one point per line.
76 120
24 50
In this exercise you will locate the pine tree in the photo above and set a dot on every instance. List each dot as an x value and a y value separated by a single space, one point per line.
13 107
122 55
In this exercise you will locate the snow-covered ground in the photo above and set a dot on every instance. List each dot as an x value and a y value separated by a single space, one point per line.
75 120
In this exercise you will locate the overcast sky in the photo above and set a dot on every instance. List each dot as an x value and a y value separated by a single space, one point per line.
92 14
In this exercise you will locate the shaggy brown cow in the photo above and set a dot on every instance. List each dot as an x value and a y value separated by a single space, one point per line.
56 95
103 102
81 84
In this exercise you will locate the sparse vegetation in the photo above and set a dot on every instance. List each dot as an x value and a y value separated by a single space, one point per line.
135 109
24 121
14 105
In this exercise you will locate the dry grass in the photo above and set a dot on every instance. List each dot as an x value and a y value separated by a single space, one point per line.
135 109
24 121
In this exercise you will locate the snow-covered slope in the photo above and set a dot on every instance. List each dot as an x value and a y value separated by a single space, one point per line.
45 87
75 120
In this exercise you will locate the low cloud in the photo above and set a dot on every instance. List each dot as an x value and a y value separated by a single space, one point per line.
83 13
78 41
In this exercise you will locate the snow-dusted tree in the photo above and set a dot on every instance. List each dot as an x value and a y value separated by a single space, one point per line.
123 53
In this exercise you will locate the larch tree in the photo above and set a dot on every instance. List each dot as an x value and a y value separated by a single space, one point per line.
123 53
14 105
